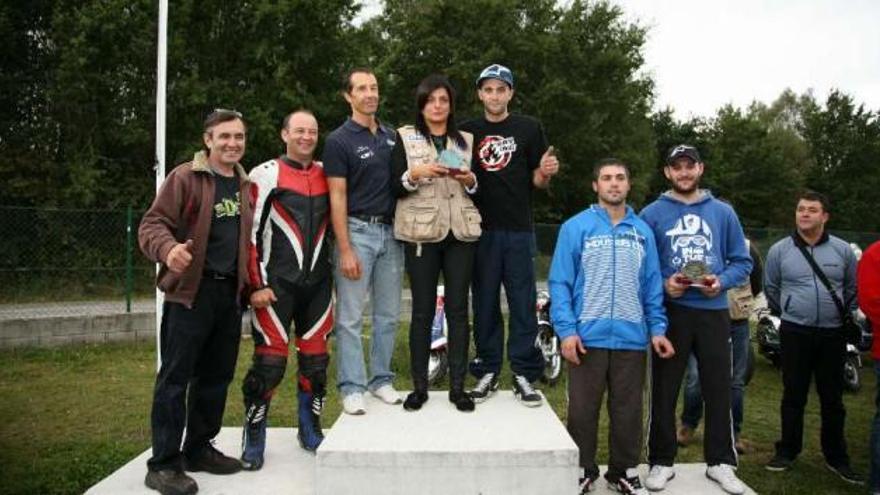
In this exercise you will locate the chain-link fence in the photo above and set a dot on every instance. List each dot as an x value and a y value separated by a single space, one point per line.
50 256
62 260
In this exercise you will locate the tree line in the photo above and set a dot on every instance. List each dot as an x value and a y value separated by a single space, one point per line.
78 91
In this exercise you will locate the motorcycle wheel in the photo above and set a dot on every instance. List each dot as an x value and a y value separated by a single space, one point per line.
549 346
851 380
438 364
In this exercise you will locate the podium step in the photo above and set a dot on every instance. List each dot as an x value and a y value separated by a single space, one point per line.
288 470
502 448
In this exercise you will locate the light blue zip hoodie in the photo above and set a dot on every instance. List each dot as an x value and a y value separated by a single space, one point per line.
605 282
707 230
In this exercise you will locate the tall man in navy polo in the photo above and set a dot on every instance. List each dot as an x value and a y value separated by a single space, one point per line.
511 158
369 261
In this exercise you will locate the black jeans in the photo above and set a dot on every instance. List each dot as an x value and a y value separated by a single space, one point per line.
199 350
808 351
706 333
455 258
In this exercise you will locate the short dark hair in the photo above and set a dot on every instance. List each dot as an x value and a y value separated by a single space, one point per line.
423 92
346 79
219 116
286 121
809 195
605 162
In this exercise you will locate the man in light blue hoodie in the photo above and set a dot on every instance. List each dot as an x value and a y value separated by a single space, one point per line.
702 254
607 294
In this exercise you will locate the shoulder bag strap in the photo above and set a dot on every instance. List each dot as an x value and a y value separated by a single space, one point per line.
822 278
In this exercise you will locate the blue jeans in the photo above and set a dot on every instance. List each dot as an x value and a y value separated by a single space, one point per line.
381 258
692 411
505 257
874 481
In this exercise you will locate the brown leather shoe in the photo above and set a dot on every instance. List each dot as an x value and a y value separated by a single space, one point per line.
684 436
171 482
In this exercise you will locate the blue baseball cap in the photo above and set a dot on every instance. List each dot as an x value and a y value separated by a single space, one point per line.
496 71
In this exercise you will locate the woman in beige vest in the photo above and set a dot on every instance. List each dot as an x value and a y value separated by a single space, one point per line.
439 223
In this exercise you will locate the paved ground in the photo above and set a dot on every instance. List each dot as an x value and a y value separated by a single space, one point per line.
73 308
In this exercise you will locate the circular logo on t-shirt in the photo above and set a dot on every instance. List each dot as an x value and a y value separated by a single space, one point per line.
495 152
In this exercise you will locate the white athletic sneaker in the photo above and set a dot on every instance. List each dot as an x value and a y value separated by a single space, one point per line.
387 394
724 475
354 404
658 477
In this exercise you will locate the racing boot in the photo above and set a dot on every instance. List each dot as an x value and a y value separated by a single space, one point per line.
309 409
310 395
253 437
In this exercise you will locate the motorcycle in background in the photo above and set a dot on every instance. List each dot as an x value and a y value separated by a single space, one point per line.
767 334
438 361
547 341
769 345
851 378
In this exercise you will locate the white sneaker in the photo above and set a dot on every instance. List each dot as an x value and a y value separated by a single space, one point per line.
658 477
354 404
724 475
387 394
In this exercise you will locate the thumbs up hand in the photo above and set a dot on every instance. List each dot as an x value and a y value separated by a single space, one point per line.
549 163
180 257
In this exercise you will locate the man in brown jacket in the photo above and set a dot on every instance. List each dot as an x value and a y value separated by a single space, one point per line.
198 230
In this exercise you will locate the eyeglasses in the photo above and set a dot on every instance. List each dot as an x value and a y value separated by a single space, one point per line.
227 111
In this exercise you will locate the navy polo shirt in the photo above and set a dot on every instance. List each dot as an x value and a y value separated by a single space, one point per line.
363 159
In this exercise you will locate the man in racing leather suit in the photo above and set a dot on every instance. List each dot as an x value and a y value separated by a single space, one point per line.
289 267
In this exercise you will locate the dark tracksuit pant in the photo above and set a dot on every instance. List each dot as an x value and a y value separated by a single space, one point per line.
455 259
505 257
623 374
706 333
199 348
808 352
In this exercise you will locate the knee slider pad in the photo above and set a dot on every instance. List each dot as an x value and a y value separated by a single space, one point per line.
262 379
313 369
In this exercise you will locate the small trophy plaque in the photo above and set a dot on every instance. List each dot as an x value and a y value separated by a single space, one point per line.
454 162
694 271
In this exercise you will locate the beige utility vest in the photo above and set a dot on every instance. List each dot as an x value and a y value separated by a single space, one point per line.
439 204
740 300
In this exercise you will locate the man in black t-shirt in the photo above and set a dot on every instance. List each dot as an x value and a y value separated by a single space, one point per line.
511 159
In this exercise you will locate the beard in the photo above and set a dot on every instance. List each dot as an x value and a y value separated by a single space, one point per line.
695 184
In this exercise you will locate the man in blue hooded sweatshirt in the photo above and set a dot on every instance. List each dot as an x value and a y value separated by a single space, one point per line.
702 254
607 295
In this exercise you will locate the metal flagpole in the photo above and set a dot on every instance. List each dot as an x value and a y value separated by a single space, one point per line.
161 81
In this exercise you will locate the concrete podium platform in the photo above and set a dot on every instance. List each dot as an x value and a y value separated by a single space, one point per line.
690 479
502 448
288 470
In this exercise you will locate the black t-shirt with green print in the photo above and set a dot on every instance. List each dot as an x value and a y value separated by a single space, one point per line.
222 255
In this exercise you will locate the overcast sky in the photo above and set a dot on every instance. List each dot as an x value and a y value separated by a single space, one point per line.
705 53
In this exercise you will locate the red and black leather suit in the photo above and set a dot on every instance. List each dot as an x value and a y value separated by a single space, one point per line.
290 253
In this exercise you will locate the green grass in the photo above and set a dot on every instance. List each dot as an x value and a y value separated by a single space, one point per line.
72 416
